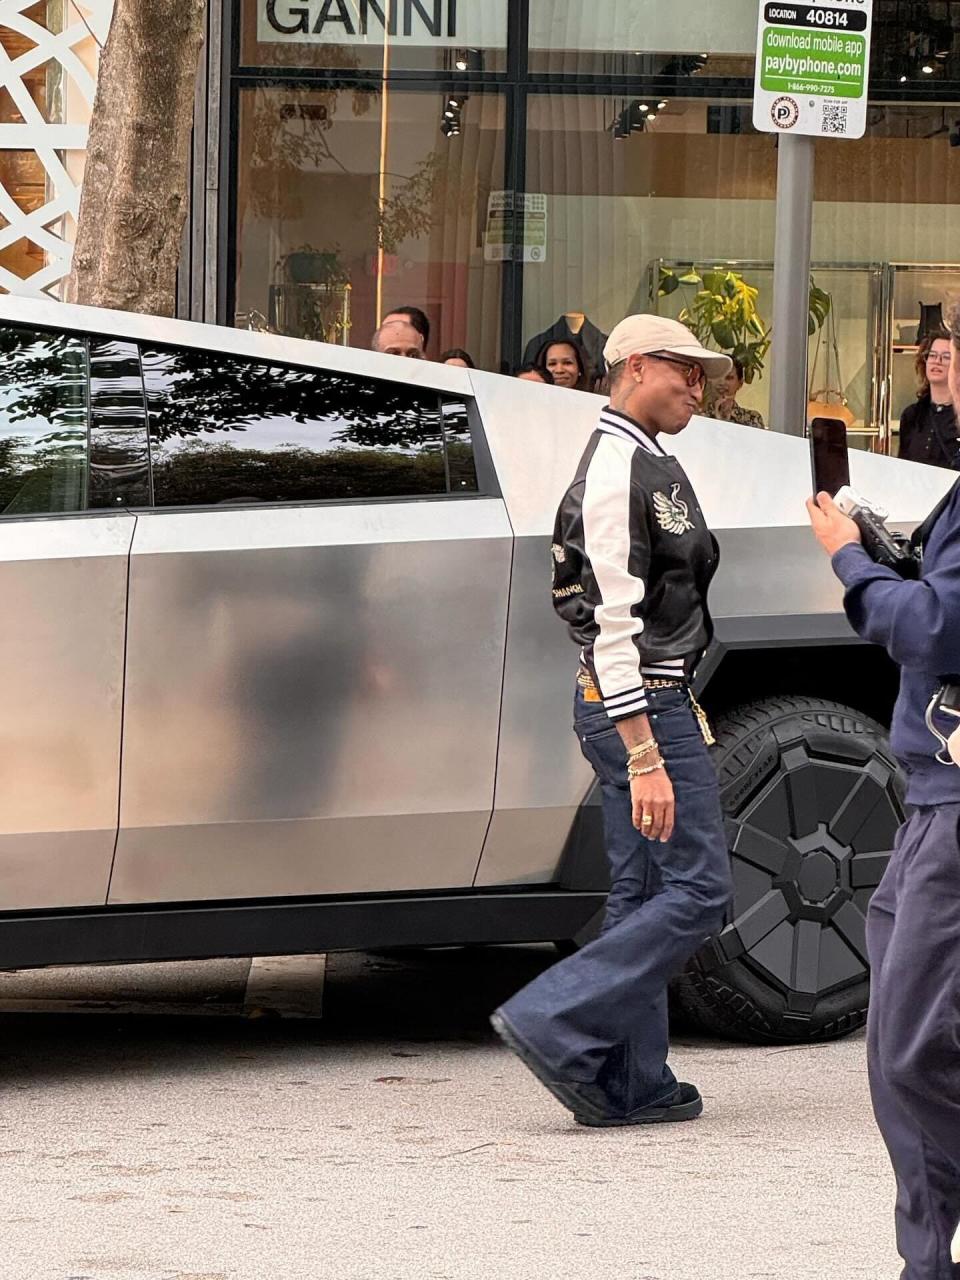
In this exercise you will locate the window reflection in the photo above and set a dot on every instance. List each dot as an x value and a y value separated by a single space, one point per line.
43 422
225 430
119 461
627 183
643 37
352 202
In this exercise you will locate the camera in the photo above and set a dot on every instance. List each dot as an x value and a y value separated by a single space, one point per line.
881 544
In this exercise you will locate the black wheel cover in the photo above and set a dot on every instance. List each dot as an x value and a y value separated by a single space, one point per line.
813 801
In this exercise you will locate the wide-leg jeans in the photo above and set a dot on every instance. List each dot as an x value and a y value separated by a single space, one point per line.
600 1016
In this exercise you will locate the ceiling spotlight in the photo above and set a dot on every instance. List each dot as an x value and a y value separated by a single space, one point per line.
661 105
927 69
651 117
461 64
454 102
644 108
903 79
449 114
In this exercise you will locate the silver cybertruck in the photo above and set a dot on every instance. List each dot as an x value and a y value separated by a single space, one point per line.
279 670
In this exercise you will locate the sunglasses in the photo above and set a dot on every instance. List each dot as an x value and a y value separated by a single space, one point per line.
695 374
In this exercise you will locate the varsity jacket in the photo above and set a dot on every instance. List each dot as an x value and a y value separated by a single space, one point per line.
632 562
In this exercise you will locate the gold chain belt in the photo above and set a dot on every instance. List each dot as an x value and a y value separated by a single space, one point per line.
592 694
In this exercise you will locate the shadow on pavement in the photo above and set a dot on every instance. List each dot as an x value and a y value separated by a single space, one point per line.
414 996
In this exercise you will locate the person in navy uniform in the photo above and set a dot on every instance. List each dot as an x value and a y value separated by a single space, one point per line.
913 923
633 559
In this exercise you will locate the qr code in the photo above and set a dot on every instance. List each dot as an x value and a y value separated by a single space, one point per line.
834 117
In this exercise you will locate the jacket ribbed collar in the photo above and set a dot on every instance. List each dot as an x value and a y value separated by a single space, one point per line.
614 423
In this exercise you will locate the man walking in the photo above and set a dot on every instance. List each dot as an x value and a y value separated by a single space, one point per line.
913 923
633 559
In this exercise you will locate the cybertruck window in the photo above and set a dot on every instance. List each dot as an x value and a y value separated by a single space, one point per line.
43 422
230 430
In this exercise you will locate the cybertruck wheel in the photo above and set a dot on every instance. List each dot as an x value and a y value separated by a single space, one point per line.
813 801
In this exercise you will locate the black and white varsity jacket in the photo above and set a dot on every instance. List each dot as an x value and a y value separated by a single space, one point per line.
632 562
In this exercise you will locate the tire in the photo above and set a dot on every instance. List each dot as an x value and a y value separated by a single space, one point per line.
813 800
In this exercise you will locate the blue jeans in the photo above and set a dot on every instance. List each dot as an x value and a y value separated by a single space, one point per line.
600 1016
633 873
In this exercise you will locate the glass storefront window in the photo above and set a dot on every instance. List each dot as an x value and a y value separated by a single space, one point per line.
643 37
353 202
621 192
459 36
889 198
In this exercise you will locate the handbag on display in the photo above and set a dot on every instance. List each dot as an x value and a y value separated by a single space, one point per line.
931 321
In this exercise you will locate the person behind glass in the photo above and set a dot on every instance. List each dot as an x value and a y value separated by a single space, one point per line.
458 357
414 316
398 338
928 428
566 363
633 560
531 372
913 921
725 406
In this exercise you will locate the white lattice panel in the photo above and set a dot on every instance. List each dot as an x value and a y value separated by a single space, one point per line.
58 145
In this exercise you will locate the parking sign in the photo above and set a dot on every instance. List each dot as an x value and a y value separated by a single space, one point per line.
813 68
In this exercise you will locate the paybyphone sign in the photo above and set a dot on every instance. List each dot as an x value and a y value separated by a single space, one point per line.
441 23
813 68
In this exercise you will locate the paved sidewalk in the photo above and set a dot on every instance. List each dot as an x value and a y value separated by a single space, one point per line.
396 1140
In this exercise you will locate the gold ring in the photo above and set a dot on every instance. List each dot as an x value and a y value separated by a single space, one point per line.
646 821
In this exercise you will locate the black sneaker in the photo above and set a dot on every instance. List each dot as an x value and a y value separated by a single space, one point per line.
686 1104
588 1103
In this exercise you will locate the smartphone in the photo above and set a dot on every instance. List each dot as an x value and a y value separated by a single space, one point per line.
828 455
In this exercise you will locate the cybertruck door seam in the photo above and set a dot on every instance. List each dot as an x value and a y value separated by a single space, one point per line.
123 702
477 428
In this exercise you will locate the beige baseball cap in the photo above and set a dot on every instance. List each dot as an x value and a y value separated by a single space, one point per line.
643 335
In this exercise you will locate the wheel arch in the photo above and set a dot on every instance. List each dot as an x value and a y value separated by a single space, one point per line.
858 675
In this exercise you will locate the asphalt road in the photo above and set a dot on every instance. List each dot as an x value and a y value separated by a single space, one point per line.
168 1124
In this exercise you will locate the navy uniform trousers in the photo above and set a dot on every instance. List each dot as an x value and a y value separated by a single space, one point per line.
600 1016
913 1034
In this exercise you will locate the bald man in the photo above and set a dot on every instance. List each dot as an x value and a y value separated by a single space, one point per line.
398 338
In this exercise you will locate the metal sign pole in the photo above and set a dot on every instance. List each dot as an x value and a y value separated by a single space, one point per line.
791 285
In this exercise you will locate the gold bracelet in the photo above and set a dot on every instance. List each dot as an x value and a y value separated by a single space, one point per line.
642 748
651 768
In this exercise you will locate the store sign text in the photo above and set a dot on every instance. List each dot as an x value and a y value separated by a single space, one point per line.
419 22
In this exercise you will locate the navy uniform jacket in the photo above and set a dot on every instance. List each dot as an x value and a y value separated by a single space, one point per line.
918 623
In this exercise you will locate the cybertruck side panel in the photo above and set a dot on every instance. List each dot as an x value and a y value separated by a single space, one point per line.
63 582
313 699
541 776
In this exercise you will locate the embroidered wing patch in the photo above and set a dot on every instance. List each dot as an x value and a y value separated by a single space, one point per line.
672 513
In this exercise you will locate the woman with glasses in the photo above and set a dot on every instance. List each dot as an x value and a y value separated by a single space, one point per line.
928 428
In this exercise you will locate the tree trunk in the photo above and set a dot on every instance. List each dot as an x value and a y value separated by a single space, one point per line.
134 199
